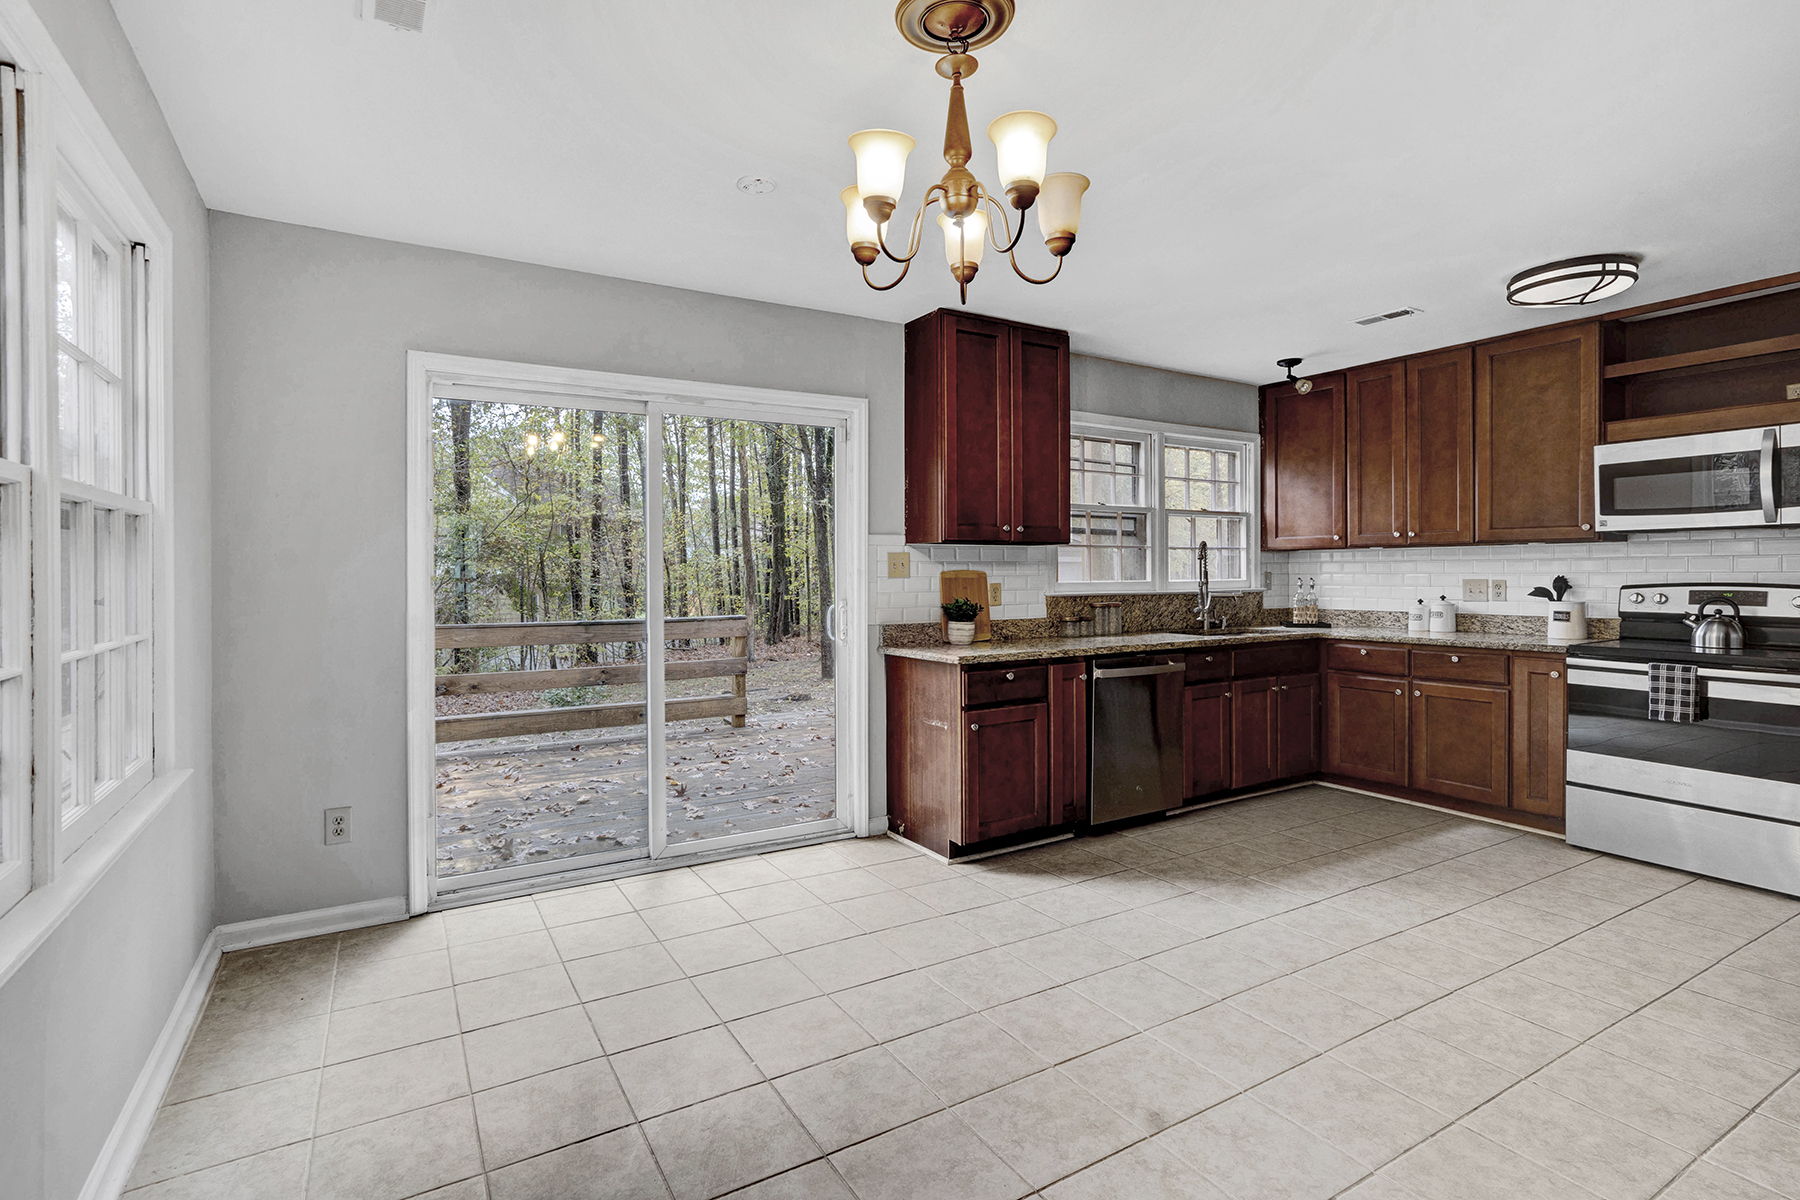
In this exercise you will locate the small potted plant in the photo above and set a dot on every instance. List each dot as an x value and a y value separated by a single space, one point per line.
961 614
1567 620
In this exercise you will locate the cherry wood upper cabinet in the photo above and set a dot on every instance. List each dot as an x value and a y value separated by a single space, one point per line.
987 431
1537 417
1303 465
1375 454
1440 442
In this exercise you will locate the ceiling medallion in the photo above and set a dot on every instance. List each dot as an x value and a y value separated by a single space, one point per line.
952 28
1573 281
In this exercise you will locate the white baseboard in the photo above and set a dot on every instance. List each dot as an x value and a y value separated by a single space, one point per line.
112 1169
269 930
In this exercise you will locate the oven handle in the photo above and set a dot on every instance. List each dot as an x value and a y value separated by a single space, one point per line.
1768 476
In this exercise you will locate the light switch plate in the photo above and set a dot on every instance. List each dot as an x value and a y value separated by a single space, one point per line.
1496 589
1793 391
899 564
993 595
1474 590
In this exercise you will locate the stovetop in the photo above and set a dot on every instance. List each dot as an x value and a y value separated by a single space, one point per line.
1641 650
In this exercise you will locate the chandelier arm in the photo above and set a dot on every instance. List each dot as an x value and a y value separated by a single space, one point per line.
1014 260
882 287
912 244
1012 239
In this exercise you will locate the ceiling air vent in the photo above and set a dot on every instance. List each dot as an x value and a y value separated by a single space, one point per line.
1393 315
408 15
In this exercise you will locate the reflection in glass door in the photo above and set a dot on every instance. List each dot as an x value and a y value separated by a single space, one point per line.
596 704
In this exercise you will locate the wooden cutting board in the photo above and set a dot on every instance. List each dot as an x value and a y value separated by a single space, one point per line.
965 585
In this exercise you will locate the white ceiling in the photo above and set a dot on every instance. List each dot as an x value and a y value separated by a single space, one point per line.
1263 172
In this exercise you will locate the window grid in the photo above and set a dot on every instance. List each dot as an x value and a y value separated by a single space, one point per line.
1121 535
15 685
102 552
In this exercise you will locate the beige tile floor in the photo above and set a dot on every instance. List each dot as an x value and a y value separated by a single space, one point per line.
1301 996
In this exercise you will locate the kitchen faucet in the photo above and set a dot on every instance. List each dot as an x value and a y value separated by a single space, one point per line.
1203 599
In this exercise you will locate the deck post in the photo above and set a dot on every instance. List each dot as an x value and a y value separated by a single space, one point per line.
740 649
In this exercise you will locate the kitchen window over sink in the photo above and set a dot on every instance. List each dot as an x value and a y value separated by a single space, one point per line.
1143 497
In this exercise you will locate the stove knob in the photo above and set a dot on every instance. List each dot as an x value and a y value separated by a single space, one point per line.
1661 597
1797 601
1636 597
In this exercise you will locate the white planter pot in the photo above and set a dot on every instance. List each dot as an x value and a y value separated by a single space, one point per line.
1567 621
961 633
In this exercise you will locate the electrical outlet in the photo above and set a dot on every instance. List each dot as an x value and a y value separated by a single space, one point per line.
1496 589
1793 391
337 826
993 595
1474 590
899 564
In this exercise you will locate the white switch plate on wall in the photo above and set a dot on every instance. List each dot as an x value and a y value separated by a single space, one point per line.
1475 590
899 564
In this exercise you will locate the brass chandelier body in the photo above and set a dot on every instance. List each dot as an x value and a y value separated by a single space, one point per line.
1020 138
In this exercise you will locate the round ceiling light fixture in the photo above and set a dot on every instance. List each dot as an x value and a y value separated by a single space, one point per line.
1302 386
1582 280
755 185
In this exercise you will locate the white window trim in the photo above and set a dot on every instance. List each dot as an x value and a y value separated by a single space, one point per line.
62 127
1155 433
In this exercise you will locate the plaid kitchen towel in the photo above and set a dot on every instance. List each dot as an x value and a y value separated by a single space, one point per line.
1674 692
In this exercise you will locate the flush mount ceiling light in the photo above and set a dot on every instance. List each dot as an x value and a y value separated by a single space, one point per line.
952 28
1302 386
1572 281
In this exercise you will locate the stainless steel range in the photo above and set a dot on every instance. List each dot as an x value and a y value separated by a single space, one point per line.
1713 786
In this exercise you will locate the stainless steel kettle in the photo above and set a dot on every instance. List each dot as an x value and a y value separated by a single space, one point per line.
1716 631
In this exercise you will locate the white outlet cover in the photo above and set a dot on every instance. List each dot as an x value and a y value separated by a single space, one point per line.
1496 589
337 826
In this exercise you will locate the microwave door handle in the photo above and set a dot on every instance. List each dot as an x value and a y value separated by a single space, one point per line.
1768 476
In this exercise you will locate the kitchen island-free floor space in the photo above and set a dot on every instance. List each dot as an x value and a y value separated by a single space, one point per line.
1306 995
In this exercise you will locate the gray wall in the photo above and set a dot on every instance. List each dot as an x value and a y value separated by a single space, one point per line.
310 333
78 1020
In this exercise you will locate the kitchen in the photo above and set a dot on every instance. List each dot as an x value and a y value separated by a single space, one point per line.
587 610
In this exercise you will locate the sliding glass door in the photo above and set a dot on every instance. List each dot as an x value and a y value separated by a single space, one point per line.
636 608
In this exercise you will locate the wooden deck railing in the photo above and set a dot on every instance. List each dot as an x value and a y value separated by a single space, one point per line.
734 704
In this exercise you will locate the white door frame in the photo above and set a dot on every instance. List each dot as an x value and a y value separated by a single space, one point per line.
532 383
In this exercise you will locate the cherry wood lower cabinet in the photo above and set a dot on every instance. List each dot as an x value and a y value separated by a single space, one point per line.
1068 741
1540 721
1297 726
1366 727
1458 740
1251 732
1207 751
1006 771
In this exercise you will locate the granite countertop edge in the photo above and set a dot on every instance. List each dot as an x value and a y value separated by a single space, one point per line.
1088 647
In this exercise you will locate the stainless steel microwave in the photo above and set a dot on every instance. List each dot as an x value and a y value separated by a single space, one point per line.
1703 481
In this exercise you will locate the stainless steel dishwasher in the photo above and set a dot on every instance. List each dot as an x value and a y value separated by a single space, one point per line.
1135 751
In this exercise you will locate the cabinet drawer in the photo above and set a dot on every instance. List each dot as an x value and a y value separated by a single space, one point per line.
1475 666
1204 666
1006 685
1276 658
1366 659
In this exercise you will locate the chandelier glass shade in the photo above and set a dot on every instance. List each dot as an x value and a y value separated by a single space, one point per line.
970 216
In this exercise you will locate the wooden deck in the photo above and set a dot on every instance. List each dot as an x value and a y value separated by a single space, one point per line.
537 800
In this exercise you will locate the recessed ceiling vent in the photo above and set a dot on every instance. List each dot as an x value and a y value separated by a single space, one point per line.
407 15
1394 315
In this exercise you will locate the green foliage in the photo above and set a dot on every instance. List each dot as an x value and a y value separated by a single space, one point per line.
961 609
571 697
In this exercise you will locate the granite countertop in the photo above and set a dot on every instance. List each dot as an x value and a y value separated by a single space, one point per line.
1145 643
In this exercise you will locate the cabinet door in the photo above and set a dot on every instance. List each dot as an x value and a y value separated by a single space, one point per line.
1253 736
1040 437
959 389
1375 455
1459 741
1207 741
1365 727
1068 741
1006 771
1440 449
1540 719
1296 726
1537 416
1303 465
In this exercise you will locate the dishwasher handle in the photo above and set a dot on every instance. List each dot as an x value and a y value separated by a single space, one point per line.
1127 672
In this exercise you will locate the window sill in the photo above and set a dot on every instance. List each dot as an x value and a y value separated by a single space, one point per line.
1140 589
34 918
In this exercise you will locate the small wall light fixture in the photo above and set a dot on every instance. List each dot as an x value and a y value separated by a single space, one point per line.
1302 386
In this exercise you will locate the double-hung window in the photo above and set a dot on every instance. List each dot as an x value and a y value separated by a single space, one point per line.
1144 498
102 563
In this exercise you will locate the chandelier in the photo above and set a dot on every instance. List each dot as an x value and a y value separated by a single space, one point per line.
1021 142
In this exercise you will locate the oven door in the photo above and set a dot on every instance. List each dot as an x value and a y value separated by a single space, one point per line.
1719 796
1707 480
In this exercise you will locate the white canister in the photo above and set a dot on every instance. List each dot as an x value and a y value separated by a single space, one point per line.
1418 618
1568 621
1443 615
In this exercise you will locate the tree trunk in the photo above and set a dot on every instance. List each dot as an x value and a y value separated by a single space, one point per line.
776 468
462 490
627 580
717 601
819 475
746 550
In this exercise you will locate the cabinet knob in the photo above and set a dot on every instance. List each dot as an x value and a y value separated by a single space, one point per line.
1453 658
1416 691
1082 676
1396 533
1410 533
1209 658
1556 674
1585 525
1006 529
1009 674
1402 691
1364 653
1284 687
1336 538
